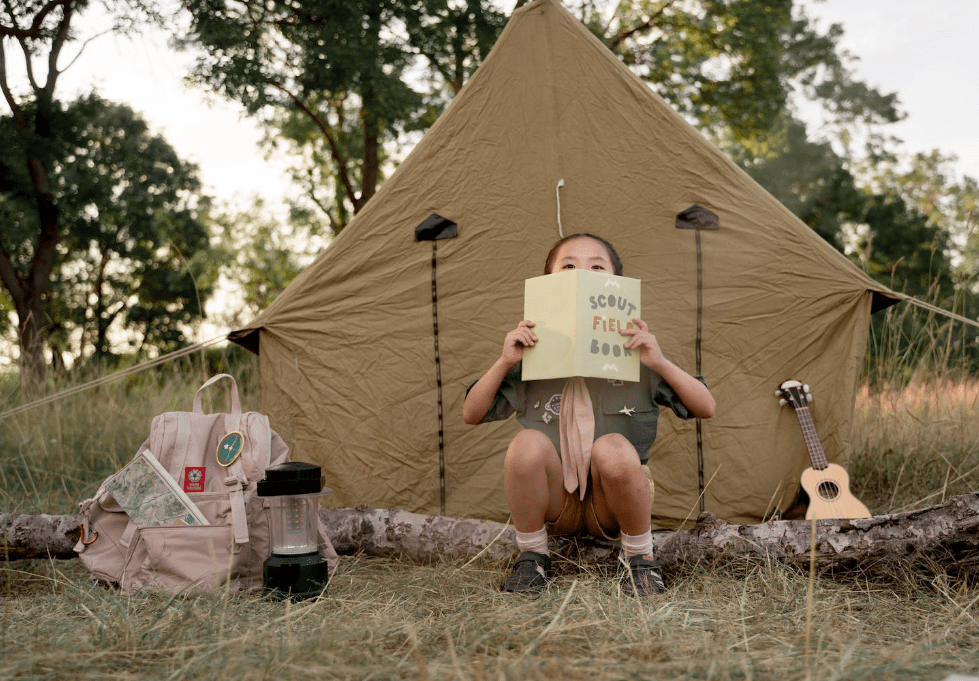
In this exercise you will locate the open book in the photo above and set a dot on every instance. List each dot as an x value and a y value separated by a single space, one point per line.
577 316
150 495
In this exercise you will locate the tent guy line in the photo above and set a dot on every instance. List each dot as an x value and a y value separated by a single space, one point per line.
122 373
938 310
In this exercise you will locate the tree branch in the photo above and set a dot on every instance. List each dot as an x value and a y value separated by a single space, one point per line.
56 45
328 134
616 40
19 118
34 32
947 533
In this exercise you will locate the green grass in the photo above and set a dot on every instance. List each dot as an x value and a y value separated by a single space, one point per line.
54 456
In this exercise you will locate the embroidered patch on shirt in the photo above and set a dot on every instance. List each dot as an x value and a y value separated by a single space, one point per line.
554 405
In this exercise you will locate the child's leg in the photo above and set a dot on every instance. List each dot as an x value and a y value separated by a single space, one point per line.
534 481
621 496
620 487
535 493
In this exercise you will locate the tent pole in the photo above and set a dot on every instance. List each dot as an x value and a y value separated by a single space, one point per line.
699 370
698 218
438 379
434 228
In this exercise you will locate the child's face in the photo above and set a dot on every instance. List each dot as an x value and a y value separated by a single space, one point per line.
583 253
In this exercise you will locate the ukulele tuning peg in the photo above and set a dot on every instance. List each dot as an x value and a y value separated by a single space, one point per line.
808 397
782 403
805 388
778 393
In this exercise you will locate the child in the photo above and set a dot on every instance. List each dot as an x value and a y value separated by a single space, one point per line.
610 495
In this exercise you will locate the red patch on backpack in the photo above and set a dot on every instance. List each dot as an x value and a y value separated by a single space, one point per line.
194 478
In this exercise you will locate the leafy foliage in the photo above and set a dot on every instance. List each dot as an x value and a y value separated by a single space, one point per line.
339 80
53 161
734 68
129 222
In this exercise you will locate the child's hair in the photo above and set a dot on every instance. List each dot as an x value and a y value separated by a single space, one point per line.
613 256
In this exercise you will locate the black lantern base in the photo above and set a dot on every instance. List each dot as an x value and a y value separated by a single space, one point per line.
295 576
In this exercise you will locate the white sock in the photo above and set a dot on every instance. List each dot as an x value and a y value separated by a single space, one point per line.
534 541
637 545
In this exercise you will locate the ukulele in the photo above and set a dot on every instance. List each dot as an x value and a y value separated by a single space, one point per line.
827 484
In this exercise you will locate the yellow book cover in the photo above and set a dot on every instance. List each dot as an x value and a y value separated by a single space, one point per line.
577 316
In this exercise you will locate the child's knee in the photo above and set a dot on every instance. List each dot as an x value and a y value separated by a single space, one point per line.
614 454
529 448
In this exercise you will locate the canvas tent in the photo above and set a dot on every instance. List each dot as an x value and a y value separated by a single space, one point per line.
366 356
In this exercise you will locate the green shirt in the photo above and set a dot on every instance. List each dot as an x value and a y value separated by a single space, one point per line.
628 408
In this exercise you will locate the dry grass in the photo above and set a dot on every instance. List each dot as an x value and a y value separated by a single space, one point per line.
56 455
915 445
383 619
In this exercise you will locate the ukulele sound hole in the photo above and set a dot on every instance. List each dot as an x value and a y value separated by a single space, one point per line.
828 490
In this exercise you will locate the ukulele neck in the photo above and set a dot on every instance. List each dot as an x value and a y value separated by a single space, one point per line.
816 453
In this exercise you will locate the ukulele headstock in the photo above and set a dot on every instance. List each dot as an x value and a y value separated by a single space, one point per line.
794 393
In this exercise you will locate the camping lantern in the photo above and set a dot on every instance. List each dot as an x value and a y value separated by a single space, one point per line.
295 569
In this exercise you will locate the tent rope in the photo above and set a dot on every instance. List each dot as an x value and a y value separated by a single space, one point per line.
122 373
162 359
938 310
557 193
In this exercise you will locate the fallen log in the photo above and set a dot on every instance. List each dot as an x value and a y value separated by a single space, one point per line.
947 533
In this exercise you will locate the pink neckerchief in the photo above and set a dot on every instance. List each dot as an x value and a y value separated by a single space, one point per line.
577 427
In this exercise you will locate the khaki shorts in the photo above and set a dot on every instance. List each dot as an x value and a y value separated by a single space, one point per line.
578 515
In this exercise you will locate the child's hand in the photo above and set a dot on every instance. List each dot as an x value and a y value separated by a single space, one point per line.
645 342
517 340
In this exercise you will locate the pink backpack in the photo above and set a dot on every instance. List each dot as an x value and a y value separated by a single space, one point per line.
216 460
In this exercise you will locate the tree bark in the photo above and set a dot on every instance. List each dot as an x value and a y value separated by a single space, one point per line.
947 533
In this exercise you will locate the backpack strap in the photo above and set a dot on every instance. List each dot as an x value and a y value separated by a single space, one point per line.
235 402
181 446
238 518
127 537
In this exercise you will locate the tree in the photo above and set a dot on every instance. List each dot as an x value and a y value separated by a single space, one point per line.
40 30
813 181
735 69
129 229
338 79
918 235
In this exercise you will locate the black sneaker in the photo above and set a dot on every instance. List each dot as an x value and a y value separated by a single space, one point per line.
645 578
529 574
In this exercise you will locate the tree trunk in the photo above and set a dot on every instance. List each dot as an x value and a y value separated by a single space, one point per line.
947 533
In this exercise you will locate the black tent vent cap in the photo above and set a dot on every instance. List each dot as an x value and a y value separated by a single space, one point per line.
436 227
697 217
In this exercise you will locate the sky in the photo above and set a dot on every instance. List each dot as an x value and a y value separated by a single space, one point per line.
925 51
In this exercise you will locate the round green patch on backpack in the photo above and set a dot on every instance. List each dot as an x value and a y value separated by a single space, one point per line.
229 448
